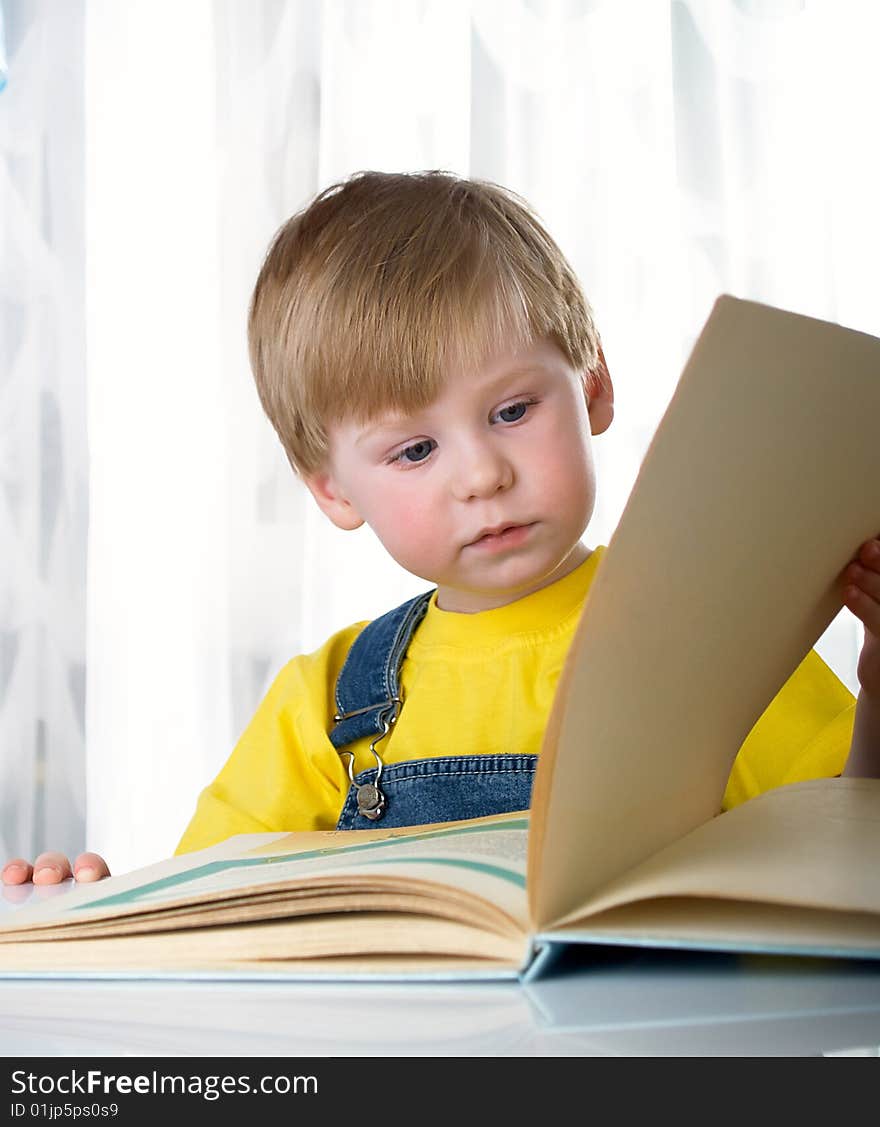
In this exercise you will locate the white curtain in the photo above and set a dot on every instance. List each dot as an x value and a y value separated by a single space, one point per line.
676 150
44 469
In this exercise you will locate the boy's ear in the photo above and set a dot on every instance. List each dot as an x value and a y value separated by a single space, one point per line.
332 501
600 396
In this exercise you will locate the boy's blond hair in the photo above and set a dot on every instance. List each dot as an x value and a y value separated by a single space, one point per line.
369 294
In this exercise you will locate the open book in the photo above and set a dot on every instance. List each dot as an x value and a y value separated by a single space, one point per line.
762 480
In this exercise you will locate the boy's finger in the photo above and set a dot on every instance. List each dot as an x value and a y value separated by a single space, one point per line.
51 868
865 607
869 555
17 871
866 580
89 867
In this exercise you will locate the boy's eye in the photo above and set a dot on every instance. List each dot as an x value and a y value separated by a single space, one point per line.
513 412
415 453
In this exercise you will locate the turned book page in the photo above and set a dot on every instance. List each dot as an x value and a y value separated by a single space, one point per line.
761 482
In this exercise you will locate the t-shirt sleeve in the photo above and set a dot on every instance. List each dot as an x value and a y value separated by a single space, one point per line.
283 774
805 733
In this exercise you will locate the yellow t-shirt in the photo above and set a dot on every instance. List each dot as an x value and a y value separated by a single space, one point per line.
475 683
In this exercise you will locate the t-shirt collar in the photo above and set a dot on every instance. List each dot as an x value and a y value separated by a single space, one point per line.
551 605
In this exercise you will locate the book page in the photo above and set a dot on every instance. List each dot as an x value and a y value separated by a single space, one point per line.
472 872
285 947
806 845
695 924
761 482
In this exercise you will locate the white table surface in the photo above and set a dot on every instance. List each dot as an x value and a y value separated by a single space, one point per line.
630 1003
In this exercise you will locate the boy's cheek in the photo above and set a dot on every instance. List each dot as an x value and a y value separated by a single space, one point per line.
411 533
421 538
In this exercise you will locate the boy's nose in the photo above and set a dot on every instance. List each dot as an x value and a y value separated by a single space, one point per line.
480 471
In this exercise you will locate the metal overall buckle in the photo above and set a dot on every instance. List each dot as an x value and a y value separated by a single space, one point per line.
370 799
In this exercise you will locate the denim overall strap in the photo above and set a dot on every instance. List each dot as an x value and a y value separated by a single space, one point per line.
368 688
415 791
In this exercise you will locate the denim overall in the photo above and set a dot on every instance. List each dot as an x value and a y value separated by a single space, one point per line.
443 789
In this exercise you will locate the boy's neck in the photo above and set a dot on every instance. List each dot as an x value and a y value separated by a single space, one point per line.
459 601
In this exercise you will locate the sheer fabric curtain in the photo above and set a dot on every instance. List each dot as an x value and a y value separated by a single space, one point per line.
43 450
676 150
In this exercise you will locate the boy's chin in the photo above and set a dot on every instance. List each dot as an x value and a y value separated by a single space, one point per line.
488 596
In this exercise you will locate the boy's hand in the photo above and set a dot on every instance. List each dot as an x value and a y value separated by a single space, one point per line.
862 596
861 593
52 868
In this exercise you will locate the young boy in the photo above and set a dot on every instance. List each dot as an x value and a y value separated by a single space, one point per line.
431 366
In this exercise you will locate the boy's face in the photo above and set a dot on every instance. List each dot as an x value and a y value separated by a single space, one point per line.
487 491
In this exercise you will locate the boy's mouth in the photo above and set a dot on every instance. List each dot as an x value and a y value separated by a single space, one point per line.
502 536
